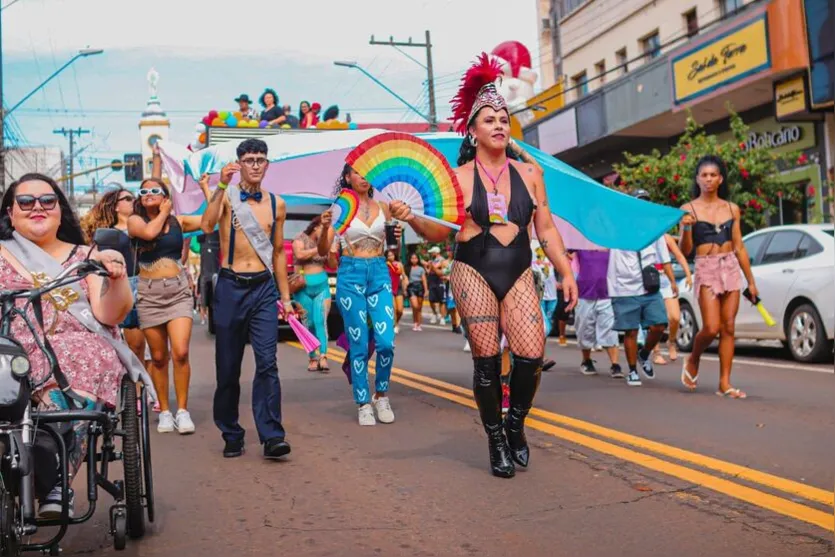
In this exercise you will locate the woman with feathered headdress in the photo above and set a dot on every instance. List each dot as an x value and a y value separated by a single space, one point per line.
491 280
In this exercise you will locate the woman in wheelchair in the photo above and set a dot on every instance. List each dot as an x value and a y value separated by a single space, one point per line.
36 216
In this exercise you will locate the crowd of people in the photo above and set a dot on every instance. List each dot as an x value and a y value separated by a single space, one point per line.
275 115
508 275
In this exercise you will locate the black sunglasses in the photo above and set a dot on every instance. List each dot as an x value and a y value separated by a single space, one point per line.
152 191
126 198
47 201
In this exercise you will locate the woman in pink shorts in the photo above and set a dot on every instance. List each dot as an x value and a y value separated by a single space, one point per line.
711 228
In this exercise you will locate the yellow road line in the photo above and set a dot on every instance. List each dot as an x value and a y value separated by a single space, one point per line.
808 492
759 498
785 485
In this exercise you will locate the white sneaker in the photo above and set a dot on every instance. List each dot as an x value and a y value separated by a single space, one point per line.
433 320
366 415
384 411
397 329
166 422
467 346
183 423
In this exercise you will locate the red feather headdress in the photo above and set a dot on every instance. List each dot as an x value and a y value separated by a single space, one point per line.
477 90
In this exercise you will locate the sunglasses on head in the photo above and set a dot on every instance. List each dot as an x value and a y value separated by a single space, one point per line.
47 201
151 191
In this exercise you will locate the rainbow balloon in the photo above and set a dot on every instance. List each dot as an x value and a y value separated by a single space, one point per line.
405 168
344 210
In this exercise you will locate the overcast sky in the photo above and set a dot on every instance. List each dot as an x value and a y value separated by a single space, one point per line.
207 52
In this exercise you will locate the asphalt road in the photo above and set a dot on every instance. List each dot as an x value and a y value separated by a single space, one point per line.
615 470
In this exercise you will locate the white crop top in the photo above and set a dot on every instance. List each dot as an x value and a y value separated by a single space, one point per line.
358 230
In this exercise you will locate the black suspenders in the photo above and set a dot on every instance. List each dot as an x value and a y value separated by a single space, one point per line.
232 230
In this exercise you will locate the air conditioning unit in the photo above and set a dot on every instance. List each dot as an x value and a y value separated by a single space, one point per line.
546 23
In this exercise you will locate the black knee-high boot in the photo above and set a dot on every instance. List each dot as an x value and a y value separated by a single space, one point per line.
524 380
487 389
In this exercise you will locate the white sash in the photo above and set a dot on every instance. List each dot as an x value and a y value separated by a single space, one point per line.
36 259
258 239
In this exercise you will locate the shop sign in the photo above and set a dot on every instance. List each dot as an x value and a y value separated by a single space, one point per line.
772 139
781 139
790 97
732 56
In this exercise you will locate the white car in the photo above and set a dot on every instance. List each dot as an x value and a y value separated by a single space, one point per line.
794 266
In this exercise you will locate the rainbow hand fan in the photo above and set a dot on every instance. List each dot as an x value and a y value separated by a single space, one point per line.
344 210
405 168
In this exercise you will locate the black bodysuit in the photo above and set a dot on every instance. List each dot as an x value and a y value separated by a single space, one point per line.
499 265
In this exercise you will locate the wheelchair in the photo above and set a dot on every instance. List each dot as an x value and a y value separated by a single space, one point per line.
30 439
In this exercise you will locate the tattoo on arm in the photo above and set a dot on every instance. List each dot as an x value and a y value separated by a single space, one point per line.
216 195
543 243
105 286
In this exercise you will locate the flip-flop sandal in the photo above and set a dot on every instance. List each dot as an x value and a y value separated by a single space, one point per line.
732 392
659 360
685 376
323 368
313 365
548 364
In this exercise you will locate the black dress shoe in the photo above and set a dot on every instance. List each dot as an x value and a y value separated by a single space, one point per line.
276 448
233 448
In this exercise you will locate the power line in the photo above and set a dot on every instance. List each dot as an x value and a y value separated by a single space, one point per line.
71 134
430 74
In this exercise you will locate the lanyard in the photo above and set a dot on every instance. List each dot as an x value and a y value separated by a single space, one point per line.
490 176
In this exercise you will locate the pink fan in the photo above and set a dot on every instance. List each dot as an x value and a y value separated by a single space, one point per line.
306 338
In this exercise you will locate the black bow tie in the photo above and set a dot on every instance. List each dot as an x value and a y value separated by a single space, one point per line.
257 196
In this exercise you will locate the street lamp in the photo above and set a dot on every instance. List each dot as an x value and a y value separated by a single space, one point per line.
354 65
83 53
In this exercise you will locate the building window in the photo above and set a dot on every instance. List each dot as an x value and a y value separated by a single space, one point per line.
620 57
600 71
651 45
581 84
691 22
727 7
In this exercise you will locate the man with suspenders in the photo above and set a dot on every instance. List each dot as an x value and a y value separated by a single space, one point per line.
254 271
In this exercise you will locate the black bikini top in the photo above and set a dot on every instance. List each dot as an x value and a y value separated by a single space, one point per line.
709 233
521 206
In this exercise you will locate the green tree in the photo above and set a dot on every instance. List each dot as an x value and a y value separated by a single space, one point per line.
752 173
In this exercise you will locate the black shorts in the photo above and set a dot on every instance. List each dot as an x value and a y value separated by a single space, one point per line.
437 294
415 289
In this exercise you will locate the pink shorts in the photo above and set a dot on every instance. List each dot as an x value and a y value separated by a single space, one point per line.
720 273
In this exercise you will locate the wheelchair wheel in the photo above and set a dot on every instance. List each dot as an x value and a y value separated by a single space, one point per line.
131 460
146 455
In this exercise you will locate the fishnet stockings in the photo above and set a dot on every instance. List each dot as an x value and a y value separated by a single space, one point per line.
519 315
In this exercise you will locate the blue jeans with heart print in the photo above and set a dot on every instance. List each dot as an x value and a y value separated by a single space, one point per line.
363 294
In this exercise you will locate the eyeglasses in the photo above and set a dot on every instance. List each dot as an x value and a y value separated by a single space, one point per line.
27 202
126 198
151 191
261 161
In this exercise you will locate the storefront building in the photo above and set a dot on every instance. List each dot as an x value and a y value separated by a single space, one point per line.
753 61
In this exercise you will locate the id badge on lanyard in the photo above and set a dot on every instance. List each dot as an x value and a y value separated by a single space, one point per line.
497 205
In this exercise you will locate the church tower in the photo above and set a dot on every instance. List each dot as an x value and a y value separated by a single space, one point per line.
154 124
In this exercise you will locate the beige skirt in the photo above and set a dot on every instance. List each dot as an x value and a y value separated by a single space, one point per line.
159 301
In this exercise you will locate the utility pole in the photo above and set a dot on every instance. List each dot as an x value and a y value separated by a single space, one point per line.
72 134
430 79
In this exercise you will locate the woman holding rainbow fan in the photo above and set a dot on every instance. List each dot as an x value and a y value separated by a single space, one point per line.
363 287
491 279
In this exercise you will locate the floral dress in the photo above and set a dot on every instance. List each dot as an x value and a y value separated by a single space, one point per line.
87 360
